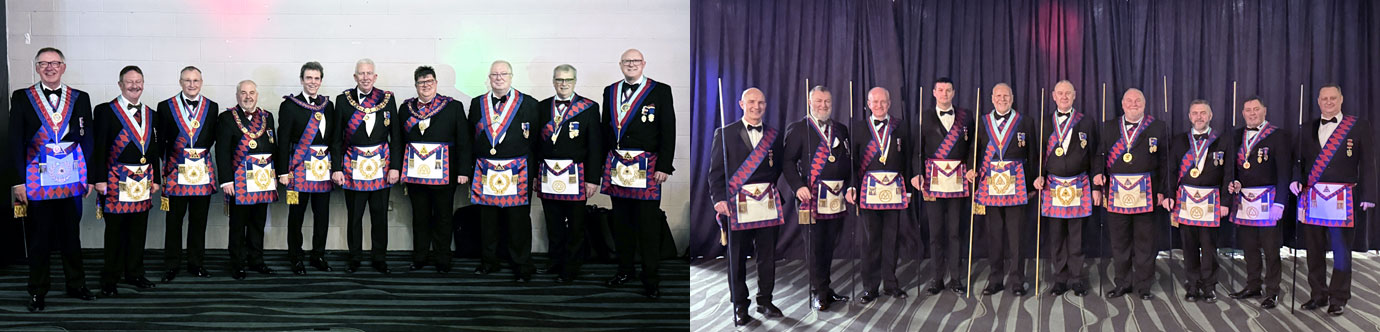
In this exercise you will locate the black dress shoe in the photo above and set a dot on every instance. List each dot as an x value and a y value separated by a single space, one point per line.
993 289
1336 310
1208 295
321 265
299 269
443 269
835 297
1079 289
352 267
1147 296
935 288
894 292
37 303
1313 304
1270 302
820 303
140 282
199 271
769 310
110 291
81 293
1059 289
381 267
561 279
416 266
1244 294
1118 292
867 297
740 316
169 276
238 274
1018 290
522 278
652 293
261 269
1192 295
618 279
958 288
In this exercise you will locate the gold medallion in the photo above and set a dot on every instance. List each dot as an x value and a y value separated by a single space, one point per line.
194 124
882 159
143 160
831 159
320 116
558 186
493 151
253 144
1126 157
626 107
1246 164
1195 172
1059 151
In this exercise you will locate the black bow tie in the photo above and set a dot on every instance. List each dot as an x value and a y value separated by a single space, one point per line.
630 87
499 100
1199 136
754 128
1000 116
47 92
134 106
878 122
565 103
1252 129
946 113
1061 114
1132 124
192 103
1333 120
823 124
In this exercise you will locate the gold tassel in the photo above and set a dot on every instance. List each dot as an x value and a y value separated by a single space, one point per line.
979 209
164 204
805 217
292 197
21 210
723 238
99 214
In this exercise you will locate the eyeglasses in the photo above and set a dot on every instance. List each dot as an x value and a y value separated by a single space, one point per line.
631 62
47 64
500 75
564 81
426 82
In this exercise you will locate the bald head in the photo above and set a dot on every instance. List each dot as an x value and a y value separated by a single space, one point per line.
632 63
1001 98
879 102
754 104
1064 95
1133 103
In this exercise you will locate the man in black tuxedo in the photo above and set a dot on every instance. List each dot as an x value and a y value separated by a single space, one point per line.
884 149
640 117
1335 155
1005 148
940 167
124 168
1199 172
572 165
1069 160
816 163
369 149
1263 167
244 162
503 171
187 122
436 136
748 198
1134 150
307 123
48 125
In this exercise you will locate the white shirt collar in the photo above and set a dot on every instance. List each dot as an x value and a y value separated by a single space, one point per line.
937 109
124 104
1262 125
1205 131
1338 117
61 86
571 98
308 96
183 96
492 95
639 80
1142 118
1068 112
874 117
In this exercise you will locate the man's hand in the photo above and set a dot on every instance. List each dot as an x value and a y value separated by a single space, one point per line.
722 208
1168 204
660 177
1234 187
1367 205
338 177
284 179
915 182
1295 187
392 176
802 194
90 190
1098 180
20 194
1222 211
228 189
462 179
970 176
100 188
590 188
852 197
153 188
1040 183
1097 197
1276 211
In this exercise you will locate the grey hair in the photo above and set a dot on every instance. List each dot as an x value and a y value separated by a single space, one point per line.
364 61
561 68
818 88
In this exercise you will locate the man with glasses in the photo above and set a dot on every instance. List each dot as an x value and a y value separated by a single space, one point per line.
640 116
48 124
308 121
571 168
368 142
436 138
503 147
126 181
188 174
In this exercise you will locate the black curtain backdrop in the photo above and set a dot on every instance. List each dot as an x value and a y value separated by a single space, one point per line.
1175 51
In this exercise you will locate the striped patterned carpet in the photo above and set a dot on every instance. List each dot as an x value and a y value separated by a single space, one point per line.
1002 312
367 300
